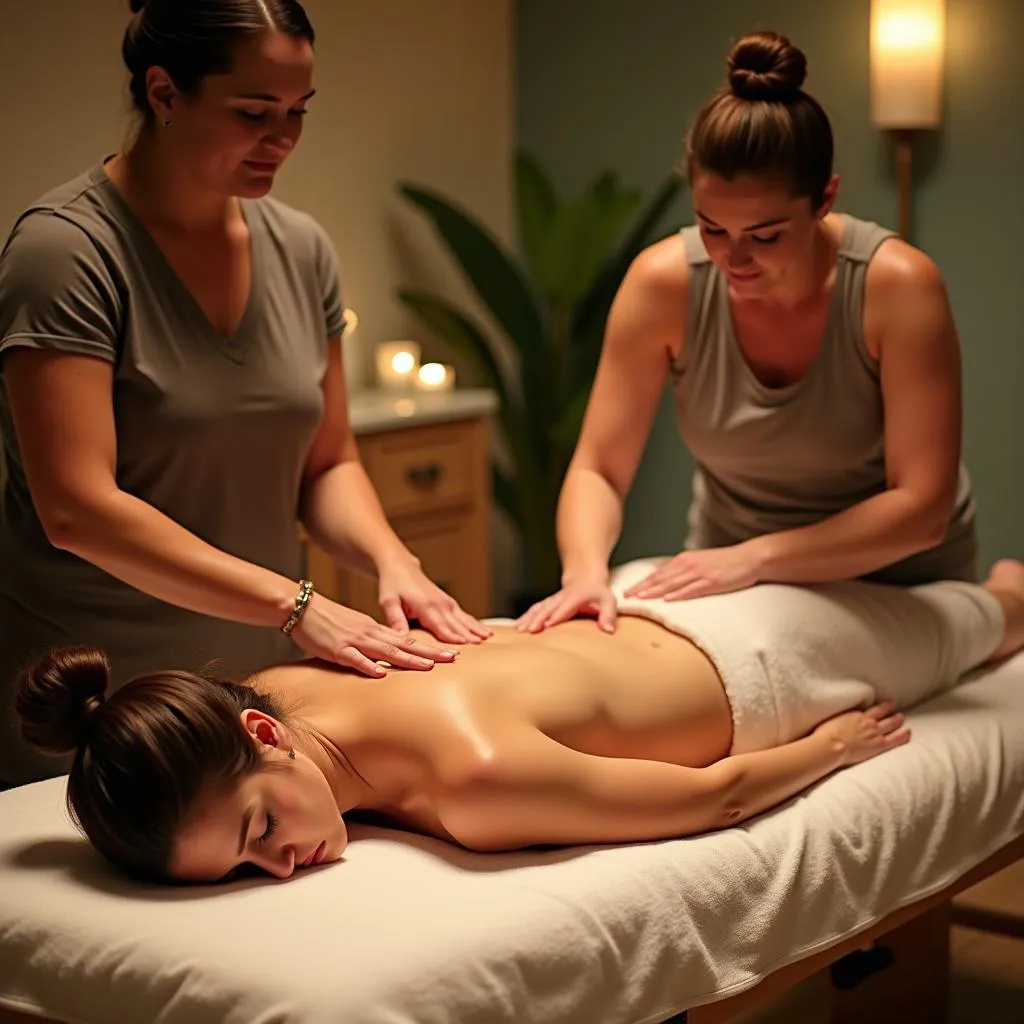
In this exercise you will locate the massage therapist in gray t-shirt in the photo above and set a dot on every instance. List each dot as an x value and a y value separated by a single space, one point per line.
172 398
815 369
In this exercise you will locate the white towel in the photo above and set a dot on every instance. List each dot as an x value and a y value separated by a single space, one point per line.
792 656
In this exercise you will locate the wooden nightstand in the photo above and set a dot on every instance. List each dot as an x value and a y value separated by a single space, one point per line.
429 459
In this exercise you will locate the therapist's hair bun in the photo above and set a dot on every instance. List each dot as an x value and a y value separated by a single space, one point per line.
58 697
766 66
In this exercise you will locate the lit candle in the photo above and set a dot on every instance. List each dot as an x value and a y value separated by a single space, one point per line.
397 363
435 377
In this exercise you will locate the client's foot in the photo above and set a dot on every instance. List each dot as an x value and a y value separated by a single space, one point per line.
1006 582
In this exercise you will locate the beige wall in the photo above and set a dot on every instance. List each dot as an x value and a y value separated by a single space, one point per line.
406 89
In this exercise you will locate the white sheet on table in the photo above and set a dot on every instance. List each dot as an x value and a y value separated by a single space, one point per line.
410 930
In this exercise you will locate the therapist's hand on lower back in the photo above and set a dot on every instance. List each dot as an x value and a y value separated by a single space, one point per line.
406 592
587 595
345 637
700 574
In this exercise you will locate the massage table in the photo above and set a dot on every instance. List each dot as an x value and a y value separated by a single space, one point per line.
857 872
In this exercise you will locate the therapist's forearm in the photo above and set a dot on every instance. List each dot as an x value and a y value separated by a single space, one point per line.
344 516
859 540
588 524
139 545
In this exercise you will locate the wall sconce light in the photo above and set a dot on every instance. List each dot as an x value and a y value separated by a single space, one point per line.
907 50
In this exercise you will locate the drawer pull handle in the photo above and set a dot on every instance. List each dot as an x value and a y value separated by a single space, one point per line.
425 475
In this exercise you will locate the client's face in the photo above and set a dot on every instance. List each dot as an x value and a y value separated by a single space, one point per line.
280 818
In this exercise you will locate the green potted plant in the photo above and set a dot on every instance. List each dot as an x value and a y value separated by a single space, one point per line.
551 304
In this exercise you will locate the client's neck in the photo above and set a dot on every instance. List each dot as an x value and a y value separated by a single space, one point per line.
335 723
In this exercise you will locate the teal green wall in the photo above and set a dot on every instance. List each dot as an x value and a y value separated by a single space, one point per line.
613 84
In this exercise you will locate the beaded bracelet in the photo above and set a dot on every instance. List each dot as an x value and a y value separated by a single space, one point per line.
305 593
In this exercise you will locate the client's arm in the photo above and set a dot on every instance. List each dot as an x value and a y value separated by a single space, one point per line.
539 792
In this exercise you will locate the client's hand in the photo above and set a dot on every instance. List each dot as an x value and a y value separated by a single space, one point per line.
587 595
860 735
334 633
699 574
406 592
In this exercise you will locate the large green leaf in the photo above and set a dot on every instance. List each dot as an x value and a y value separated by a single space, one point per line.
605 188
591 314
506 495
598 301
566 431
465 337
570 240
505 291
493 273
579 242
537 205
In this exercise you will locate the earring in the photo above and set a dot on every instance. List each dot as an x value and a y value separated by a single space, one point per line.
166 122
291 753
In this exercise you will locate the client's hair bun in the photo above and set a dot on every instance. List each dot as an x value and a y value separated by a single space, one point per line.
766 66
58 695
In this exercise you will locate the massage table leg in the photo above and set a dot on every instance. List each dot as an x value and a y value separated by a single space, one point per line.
915 986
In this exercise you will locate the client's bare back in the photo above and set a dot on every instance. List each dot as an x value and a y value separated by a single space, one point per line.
641 692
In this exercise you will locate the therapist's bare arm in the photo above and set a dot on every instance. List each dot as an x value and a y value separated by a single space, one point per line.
644 332
340 508
343 514
64 421
538 792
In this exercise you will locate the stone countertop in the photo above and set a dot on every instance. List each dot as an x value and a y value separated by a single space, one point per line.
372 411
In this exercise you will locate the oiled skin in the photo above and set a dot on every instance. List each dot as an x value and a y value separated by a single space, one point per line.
642 692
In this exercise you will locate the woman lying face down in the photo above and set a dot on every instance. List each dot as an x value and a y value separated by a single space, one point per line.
571 736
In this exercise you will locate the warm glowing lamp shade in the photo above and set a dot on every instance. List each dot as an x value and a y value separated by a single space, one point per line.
907 43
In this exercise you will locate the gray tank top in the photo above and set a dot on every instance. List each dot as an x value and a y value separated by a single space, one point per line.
771 459
211 430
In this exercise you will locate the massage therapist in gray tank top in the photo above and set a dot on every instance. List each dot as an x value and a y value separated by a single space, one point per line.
173 401
815 367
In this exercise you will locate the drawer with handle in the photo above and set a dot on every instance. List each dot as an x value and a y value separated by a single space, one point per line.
422 469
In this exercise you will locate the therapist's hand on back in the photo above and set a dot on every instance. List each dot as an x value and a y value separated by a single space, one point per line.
406 592
700 574
587 594
346 637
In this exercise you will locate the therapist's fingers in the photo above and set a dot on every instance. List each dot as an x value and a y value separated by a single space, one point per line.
533 614
404 651
473 626
394 614
455 621
352 657
607 614
651 579
665 586
480 629
443 625
689 590
560 610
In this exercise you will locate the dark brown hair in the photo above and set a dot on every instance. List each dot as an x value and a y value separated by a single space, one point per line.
143 756
762 122
191 39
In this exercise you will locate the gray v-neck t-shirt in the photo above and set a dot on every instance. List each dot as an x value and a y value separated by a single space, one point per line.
211 430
